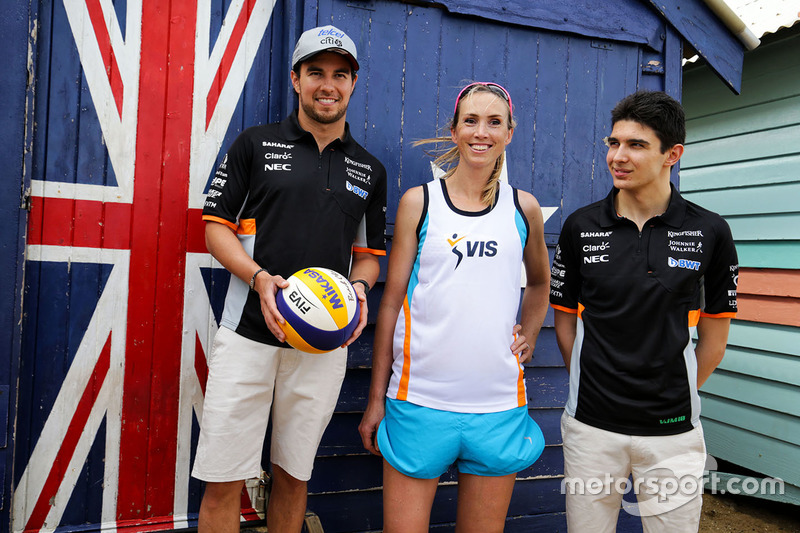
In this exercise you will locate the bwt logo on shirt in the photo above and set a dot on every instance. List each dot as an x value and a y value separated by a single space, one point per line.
683 263
474 248
355 189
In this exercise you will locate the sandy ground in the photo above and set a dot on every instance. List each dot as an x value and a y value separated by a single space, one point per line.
728 513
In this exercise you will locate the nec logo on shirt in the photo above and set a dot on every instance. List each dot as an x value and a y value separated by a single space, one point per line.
683 263
590 259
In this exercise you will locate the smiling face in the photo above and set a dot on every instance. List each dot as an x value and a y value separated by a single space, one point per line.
324 85
635 159
482 130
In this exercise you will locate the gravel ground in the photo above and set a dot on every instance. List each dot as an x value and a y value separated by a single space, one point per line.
729 513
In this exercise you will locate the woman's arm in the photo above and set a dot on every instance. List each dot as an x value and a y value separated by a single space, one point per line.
401 261
537 279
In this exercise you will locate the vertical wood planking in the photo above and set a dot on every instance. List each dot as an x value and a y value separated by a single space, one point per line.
549 118
424 110
582 115
13 160
521 60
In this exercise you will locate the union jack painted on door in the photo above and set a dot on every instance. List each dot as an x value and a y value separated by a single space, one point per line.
163 79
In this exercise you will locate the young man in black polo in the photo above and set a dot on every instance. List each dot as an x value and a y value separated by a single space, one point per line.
633 276
287 196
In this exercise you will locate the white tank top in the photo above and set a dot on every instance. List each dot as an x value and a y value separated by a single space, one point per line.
452 339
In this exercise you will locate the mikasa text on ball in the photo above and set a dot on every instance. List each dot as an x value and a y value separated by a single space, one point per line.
321 309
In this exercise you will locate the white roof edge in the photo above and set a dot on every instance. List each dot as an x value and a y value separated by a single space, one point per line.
763 17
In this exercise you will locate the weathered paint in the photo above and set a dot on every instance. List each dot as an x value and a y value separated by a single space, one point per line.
741 161
157 101
770 295
13 160
129 104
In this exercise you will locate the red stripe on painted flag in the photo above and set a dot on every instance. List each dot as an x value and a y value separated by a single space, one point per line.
81 223
196 238
227 58
200 365
248 511
142 526
150 405
70 441
106 50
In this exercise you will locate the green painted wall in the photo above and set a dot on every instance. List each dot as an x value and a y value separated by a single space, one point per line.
742 160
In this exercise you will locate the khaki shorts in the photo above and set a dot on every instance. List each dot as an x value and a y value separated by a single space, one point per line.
667 482
245 379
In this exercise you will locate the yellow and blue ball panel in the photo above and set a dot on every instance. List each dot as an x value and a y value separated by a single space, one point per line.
321 310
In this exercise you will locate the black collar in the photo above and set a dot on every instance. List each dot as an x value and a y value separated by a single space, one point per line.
292 131
673 216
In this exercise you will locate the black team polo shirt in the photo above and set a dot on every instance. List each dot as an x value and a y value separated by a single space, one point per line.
294 207
633 368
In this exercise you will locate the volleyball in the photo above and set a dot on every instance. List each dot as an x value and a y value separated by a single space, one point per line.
321 309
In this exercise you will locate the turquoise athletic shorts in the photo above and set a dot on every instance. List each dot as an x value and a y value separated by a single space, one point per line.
422 443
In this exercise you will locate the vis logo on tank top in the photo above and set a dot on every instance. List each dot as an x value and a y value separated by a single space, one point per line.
472 248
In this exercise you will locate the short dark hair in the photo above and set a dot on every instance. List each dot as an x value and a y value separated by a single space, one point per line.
656 110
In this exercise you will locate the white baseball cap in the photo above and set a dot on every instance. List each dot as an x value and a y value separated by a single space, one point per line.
324 39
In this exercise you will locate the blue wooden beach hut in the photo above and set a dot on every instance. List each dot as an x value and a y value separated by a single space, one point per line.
114 115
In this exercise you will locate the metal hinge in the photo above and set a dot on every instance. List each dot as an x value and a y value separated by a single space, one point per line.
602 45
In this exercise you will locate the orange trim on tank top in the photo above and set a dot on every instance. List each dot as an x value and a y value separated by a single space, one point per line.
402 389
522 400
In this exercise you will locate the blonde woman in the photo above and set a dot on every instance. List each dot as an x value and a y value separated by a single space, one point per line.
447 380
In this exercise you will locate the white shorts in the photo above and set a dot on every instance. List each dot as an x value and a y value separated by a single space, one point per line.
667 474
245 379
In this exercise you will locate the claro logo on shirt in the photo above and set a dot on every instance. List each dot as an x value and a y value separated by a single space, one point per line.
597 257
277 161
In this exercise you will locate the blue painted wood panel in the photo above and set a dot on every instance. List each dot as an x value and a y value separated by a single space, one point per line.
13 157
708 35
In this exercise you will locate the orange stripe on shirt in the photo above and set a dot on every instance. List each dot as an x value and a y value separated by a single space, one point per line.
369 251
247 226
694 317
402 389
211 218
718 315
578 311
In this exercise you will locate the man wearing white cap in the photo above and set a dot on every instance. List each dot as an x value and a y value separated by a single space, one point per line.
288 195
